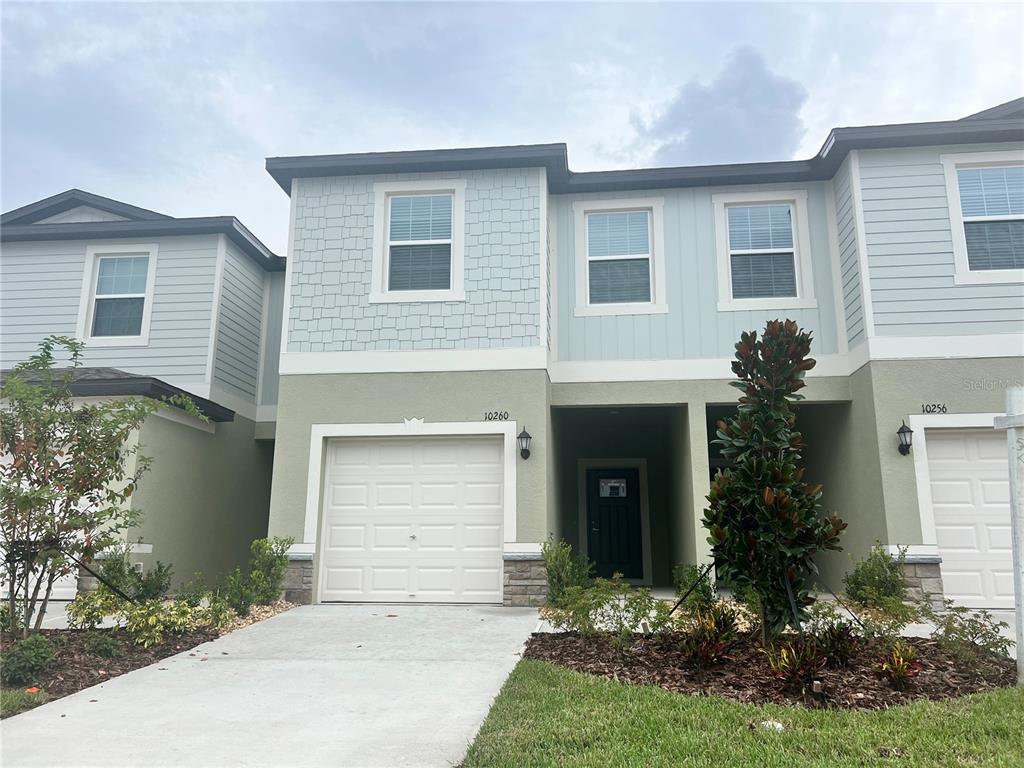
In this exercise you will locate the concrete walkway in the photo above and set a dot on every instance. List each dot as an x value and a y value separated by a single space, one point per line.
335 686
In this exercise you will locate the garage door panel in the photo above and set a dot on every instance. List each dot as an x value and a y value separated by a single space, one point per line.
430 529
969 479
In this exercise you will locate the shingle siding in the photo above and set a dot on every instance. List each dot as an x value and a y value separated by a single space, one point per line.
332 261
910 251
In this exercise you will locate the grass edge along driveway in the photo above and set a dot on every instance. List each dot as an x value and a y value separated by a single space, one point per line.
550 716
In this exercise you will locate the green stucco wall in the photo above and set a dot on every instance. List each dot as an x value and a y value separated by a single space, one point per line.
206 496
392 397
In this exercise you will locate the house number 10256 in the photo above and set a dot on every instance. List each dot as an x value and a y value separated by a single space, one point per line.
933 408
496 416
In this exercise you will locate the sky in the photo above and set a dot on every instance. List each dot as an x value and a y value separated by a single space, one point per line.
175 107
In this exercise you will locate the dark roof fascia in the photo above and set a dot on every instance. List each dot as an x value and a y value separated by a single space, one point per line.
72 198
116 383
210 225
550 156
824 165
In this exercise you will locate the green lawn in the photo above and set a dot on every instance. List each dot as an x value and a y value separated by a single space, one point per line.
15 700
548 715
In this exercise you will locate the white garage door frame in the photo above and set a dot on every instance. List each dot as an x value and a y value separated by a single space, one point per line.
321 433
921 423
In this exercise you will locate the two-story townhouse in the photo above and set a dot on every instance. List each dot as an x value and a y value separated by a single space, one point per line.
164 306
482 349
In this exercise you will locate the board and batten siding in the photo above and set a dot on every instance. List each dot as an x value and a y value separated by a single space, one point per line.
239 324
910 251
693 327
849 258
40 290
332 256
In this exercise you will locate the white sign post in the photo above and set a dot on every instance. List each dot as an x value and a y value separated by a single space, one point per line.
1013 423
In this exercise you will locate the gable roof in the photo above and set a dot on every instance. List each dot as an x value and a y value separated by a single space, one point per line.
72 198
23 225
999 124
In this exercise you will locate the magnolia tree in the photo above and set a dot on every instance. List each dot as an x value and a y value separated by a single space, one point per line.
67 472
765 522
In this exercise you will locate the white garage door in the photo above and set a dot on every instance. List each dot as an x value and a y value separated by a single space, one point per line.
412 520
970 482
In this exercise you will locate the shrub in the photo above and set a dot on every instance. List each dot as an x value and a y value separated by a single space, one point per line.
117 568
104 645
89 609
899 665
703 594
237 591
878 578
564 569
708 634
26 659
148 622
971 637
838 641
194 590
216 613
796 663
268 561
884 622
764 522
579 608
628 611
6 620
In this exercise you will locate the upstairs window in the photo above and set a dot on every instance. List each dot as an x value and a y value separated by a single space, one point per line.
619 257
418 241
619 260
985 191
117 296
761 255
763 250
992 204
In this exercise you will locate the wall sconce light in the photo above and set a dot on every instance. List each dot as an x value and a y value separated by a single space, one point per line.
524 439
906 436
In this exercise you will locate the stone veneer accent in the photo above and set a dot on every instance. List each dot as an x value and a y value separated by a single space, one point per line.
924 580
526 583
298 580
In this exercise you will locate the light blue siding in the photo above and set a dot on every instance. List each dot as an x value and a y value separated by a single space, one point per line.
849 263
332 257
910 251
693 328
40 292
272 337
239 325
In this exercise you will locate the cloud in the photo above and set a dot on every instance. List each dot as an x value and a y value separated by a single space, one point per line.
747 113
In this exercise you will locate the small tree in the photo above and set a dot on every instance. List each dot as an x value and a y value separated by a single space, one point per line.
764 521
67 473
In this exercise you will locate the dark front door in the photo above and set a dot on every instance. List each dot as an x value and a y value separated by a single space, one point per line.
614 530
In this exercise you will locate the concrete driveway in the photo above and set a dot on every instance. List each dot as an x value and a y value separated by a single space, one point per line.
343 685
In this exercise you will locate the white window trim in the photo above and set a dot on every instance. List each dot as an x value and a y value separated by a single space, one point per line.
658 304
383 191
93 254
962 274
797 200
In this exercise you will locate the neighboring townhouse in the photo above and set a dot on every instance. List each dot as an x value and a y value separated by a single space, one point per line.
440 306
164 306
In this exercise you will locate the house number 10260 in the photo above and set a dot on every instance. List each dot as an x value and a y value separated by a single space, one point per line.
496 416
933 407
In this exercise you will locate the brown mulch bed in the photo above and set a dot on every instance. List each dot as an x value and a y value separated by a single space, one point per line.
746 677
74 668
